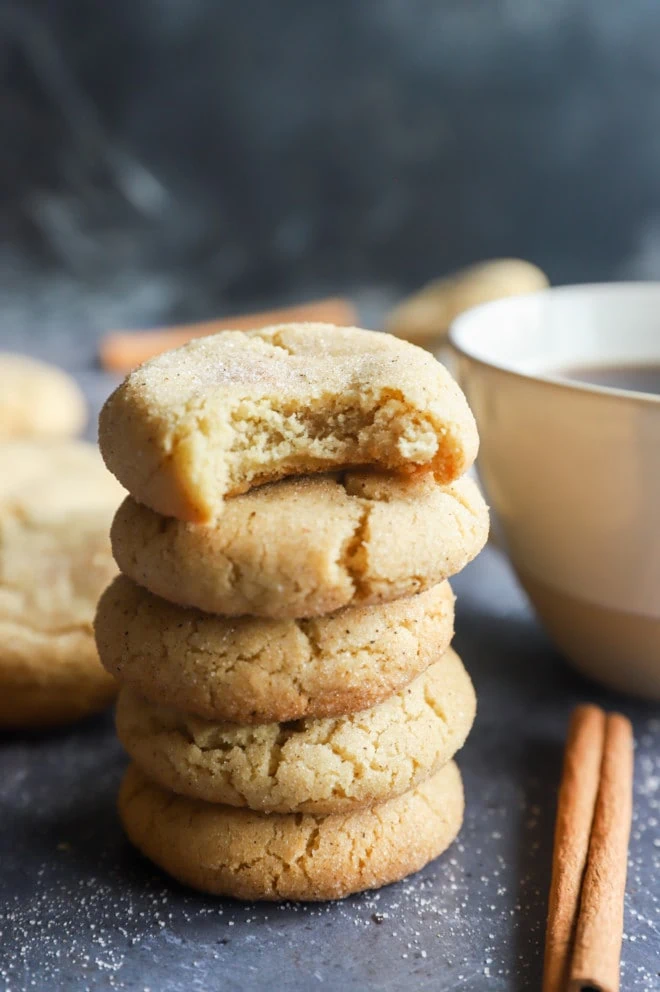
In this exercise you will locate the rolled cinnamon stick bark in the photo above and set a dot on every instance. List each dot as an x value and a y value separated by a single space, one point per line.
575 812
121 351
595 964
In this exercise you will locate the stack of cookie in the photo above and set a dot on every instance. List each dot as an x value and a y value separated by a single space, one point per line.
281 627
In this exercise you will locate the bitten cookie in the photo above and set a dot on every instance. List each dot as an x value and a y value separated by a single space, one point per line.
240 853
263 671
56 503
309 546
38 400
241 408
309 766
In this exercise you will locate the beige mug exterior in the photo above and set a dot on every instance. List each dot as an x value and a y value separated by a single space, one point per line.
572 472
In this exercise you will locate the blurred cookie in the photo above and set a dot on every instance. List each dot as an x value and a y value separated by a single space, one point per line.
228 412
425 317
256 670
56 503
307 766
309 546
38 400
240 853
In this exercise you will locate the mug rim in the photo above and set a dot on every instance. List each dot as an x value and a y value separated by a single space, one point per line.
459 330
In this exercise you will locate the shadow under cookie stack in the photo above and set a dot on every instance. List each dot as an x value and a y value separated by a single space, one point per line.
281 628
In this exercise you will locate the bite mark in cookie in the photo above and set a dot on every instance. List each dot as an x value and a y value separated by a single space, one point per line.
238 409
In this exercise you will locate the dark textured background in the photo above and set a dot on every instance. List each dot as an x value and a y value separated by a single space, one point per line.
169 159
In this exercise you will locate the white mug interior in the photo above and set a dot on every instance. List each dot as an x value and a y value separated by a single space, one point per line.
600 324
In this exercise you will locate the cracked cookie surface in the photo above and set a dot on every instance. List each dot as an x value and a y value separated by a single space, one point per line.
315 766
56 503
38 400
257 670
308 546
247 855
241 408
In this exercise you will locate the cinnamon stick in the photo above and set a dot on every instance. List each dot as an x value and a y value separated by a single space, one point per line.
575 812
597 952
121 351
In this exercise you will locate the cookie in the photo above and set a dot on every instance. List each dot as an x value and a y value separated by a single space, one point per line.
251 670
246 855
309 546
56 503
320 766
38 400
425 317
237 409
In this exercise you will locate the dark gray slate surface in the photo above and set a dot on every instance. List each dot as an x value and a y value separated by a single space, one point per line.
80 910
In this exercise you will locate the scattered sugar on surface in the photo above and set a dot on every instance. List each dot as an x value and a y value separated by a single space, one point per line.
476 914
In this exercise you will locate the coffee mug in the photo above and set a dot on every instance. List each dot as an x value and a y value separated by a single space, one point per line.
571 466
